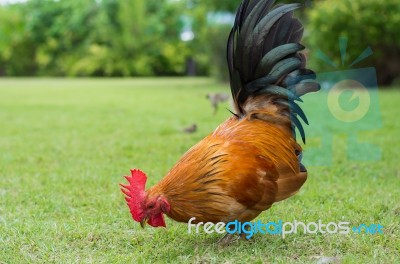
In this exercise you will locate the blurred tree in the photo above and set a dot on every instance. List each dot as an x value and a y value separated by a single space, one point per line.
231 6
114 38
17 52
131 38
112 46
224 5
58 29
365 23
92 38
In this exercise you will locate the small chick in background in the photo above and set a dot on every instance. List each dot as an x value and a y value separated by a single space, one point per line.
190 129
217 98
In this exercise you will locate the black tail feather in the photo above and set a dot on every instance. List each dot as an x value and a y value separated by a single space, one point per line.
263 57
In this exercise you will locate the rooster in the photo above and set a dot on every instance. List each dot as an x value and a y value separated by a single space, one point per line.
252 160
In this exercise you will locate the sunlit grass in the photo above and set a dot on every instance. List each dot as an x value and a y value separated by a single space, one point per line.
65 144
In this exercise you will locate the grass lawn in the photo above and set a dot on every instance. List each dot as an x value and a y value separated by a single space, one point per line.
65 145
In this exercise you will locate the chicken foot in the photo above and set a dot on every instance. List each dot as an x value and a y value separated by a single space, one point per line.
229 238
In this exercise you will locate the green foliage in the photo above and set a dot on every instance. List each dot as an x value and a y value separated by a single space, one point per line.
217 37
365 23
227 5
59 31
142 38
92 38
16 44
232 5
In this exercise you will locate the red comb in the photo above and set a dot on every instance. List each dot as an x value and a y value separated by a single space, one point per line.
135 193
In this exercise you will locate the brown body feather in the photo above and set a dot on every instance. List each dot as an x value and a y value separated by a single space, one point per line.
236 172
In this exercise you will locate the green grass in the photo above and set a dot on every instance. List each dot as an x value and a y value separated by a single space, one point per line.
65 144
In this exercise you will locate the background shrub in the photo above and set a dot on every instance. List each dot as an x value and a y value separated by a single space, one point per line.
364 23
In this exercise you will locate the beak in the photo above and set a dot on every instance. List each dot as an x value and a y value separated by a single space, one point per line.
143 222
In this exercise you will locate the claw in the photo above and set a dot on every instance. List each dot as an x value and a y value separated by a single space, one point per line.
227 239
244 238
